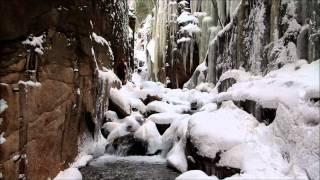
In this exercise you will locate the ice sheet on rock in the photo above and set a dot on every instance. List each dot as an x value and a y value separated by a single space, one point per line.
151 49
299 139
220 130
150 134
70 173
174 141
195 175
260 156
176 157
109 76
104 42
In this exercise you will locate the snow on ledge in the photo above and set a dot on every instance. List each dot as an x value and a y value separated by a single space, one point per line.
30 83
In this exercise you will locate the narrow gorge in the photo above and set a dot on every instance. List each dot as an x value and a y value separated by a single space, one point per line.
159 89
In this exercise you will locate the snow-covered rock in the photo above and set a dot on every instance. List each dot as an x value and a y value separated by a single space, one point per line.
195 175
70 174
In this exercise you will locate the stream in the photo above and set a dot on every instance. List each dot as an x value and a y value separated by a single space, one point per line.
109 167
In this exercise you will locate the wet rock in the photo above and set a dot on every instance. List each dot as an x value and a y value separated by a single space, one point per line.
151 98
206 164
162 127
265 115
127 145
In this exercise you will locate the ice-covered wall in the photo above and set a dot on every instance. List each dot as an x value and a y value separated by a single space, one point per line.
259 36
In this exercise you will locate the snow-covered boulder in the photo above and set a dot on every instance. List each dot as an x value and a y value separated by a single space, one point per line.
195 175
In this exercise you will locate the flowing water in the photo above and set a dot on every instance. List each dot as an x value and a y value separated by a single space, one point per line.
109 167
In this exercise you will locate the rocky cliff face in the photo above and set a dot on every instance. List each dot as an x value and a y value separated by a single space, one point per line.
53 55
258 36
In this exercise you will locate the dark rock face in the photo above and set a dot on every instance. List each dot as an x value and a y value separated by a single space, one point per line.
207 165
265 115
162 127
44 122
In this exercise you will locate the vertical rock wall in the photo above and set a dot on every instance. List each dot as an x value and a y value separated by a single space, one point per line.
262 36
49 78
258 36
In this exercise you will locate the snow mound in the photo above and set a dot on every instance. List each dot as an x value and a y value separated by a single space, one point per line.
174 142
165 118
195 175
70 174
294 84
149 133
220 130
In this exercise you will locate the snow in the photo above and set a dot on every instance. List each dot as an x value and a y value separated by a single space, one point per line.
191 28
195 175
151 49
102 41
3 106
35 41
294 83
165 118
120 99
149 133
70 174
220 130
2 139
109 76
186 17
160 106
174 141
81 160
183 39
210 107
30 83
15 157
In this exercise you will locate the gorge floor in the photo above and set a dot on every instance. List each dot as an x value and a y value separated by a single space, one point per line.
130 167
